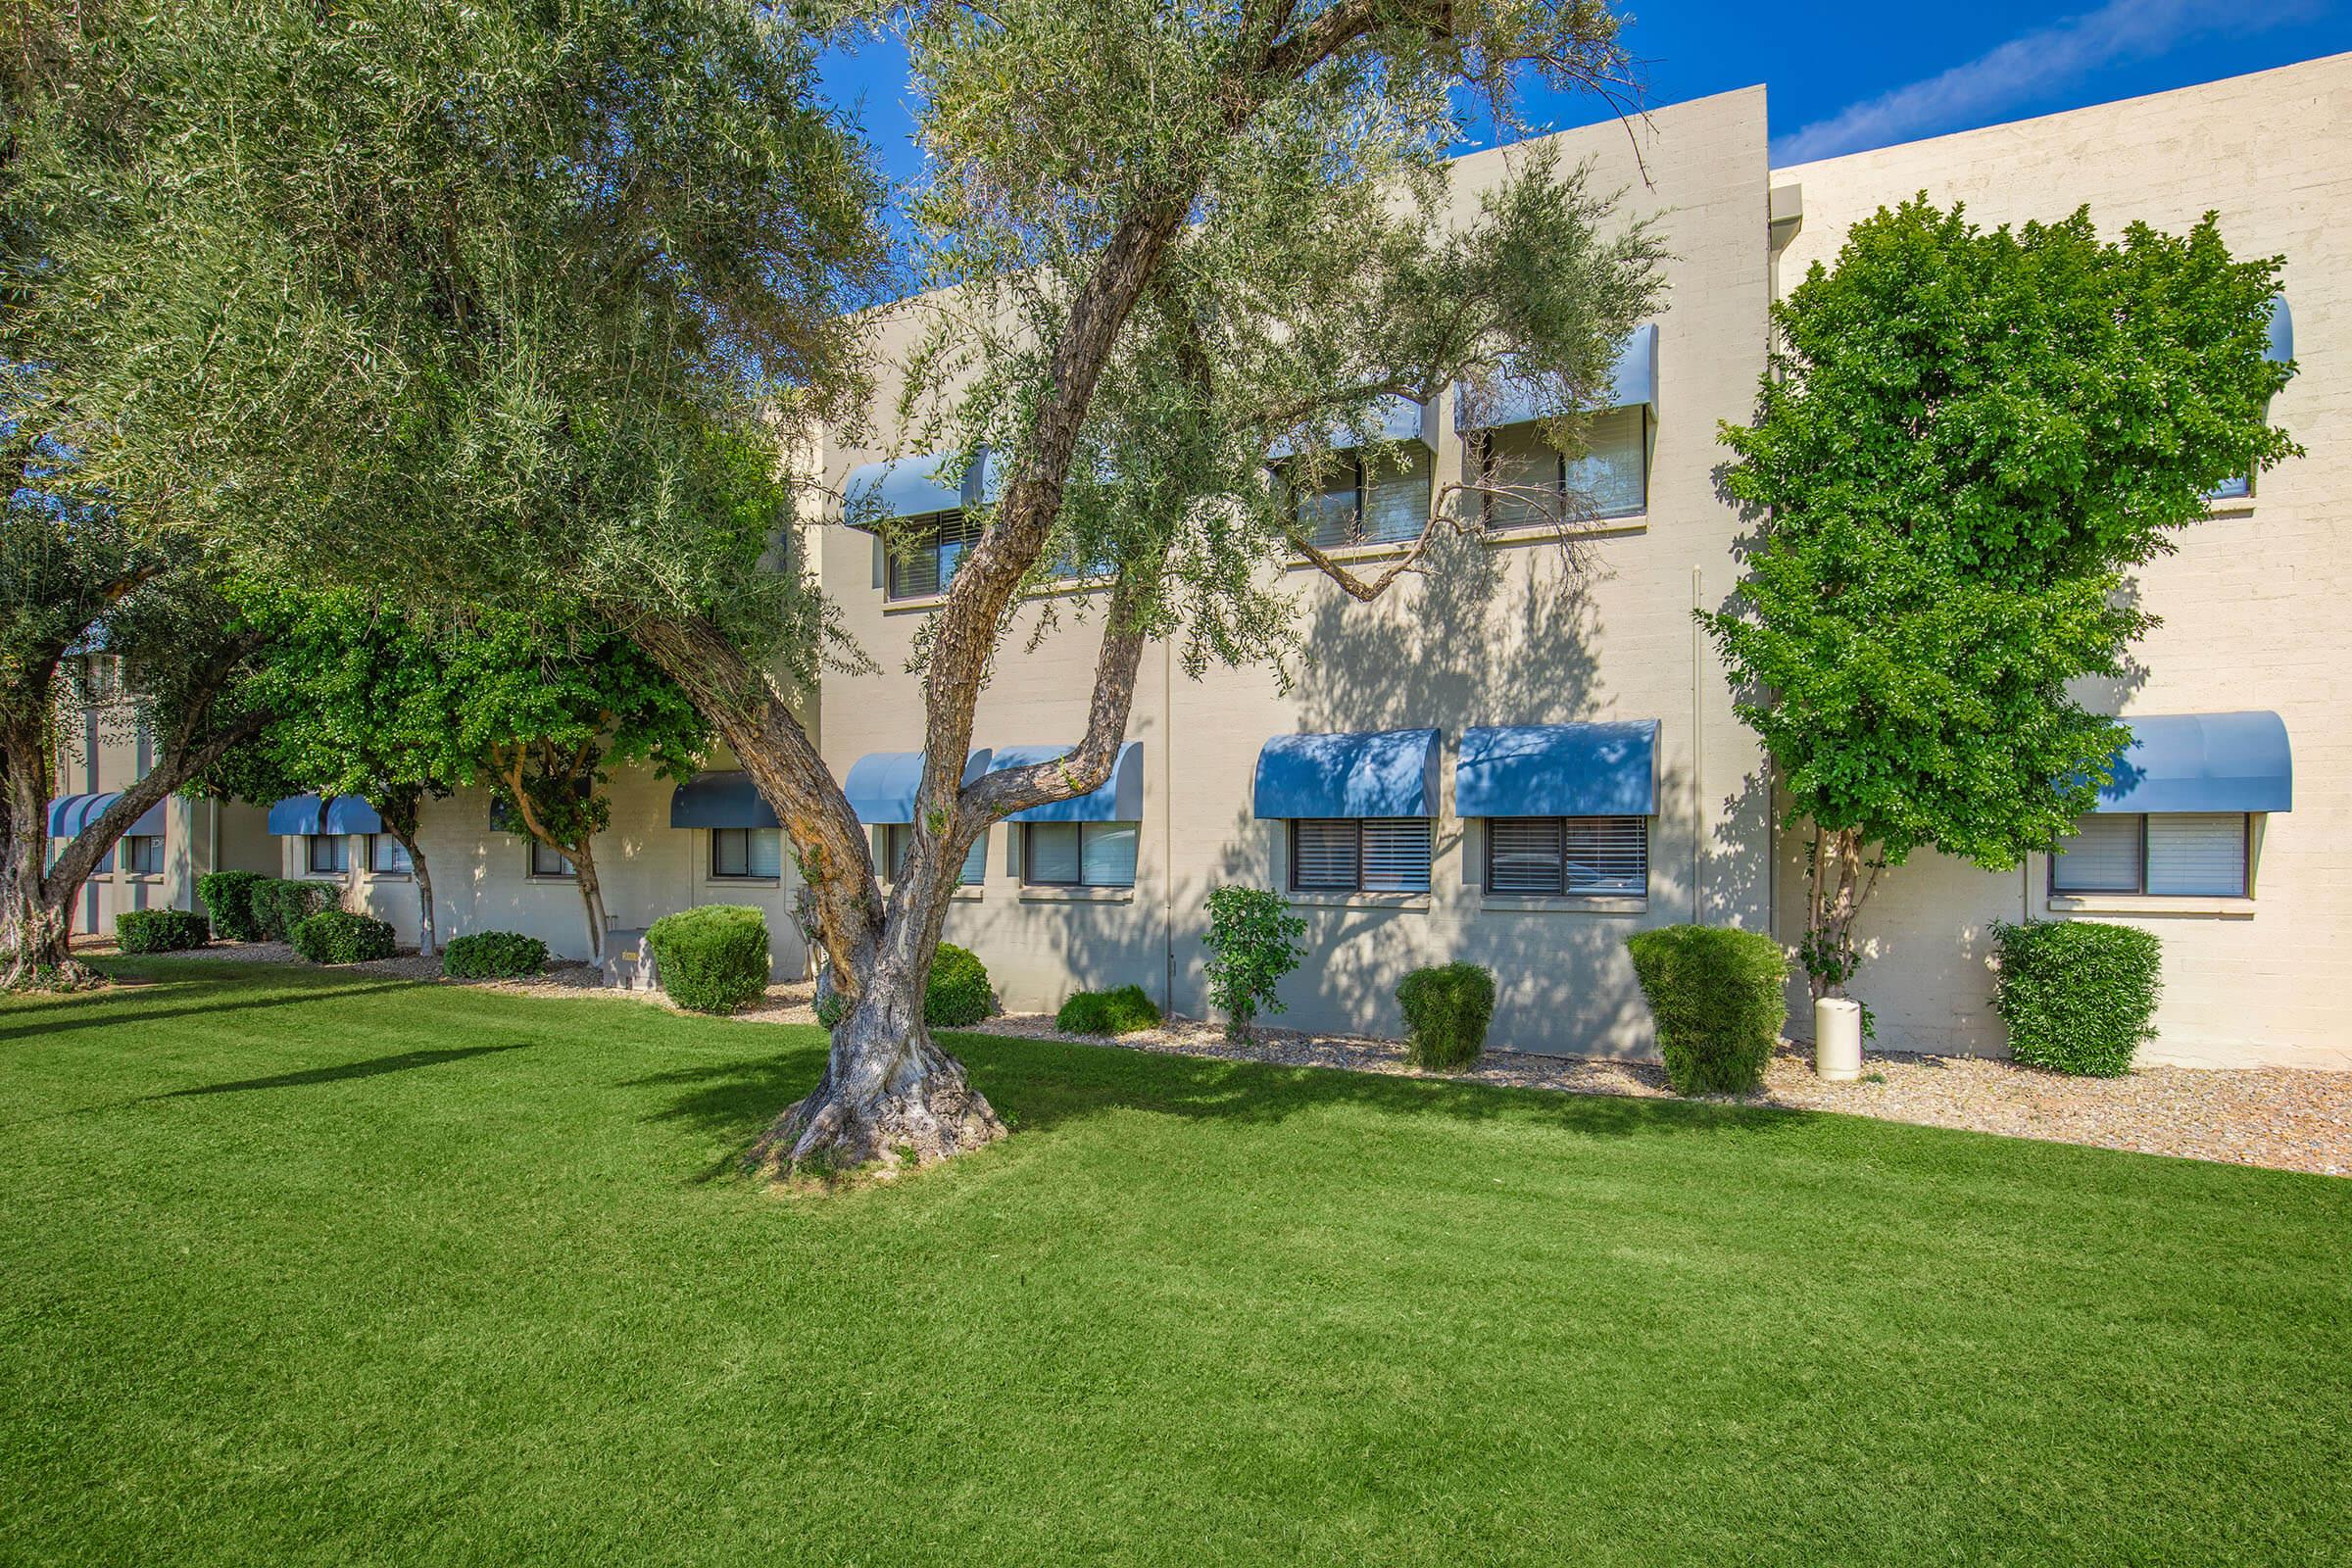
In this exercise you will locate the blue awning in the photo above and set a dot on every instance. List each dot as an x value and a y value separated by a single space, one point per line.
721 800
1392 420
1633 383
882 785
68 814
1119 800
300 816
913 487
1601 769
2283 331
1380 773
2202 762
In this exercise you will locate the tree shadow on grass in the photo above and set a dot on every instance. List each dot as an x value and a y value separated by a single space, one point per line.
98 1016
403 1061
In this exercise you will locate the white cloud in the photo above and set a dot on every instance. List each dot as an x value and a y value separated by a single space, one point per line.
2028 65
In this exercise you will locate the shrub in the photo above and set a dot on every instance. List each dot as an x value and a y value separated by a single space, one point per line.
958 992
279 904
829 1005
1720 997
160 930
1252 943
1446 1010
227 896
711 959
338 936
2079 996
493 956
1107 1013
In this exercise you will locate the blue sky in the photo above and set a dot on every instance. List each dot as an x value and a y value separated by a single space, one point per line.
1847 78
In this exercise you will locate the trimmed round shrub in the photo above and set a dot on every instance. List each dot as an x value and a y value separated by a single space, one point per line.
2079 996
1446 1010
711 959
1720 997
493 956
227 896
280 903
1120 1011
160 930
338 936
959 993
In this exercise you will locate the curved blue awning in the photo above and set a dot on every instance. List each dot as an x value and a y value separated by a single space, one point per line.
882 785
349 813
2202 762
1597 769
1633 383
1375 773
721 800
297 815
2283 331
1395 418
68 814
913 487
1119 800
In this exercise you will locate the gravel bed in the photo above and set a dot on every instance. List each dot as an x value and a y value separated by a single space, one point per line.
2281 1117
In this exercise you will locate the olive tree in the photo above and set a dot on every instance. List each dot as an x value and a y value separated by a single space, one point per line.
1965 442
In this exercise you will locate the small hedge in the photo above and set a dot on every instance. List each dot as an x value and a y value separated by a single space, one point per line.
338 936
227 896
1107 1013
1446 1010
2079 996
711 959
1720 997
160 930
493 956
280 903
959 993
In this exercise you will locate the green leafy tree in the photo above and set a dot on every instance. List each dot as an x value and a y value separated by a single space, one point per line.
1965 443
1174 238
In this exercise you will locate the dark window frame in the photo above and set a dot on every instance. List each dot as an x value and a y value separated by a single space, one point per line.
932 530
311 842
1562 890
531 861
747 874
375 869
1483 457
1028 862
2245 867
131 858
894 856
1356 539
1357 823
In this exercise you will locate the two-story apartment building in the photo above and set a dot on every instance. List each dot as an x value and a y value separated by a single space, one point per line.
1531 753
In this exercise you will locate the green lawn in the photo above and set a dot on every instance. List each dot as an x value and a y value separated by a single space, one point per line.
305 1268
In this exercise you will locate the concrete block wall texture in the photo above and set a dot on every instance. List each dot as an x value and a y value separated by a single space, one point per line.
2252 601
1509 632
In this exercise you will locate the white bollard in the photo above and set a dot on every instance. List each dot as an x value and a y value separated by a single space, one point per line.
1838 1038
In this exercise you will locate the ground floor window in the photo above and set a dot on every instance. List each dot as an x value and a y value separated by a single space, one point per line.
899 838
545 861
388 856
1079 854
1359 854
143 854
747 852
1563 854
327 854
2179 854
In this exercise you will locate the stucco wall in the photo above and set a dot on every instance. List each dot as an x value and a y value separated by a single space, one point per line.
1517 633
2252 602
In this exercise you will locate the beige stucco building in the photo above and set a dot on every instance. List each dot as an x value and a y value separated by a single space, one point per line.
1518 653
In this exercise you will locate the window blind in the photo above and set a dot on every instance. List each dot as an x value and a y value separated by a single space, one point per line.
1323 855
1523 855
1396 497
1612 478
1050 852
388 854
2198 854
1106 854
2103 856
926 551
1518 459
1395 855
1601 855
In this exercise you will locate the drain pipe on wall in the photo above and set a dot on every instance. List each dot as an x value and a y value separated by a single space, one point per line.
1699 826
1167 826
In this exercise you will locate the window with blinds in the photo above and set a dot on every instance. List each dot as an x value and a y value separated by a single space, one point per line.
143 854
1073 855
899 837
329 853
755 853
1538 485
1369 501
924 553
387 855
2174 854
1606 856
1359 854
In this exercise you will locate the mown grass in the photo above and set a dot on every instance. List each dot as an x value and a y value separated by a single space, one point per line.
305 1268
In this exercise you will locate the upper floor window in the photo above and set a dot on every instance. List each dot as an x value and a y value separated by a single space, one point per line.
1075 855
924 553
1532 483
1359 854
545 861
326 853
754 853
2176 854
1602 855
143 853
387 855
1368 500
